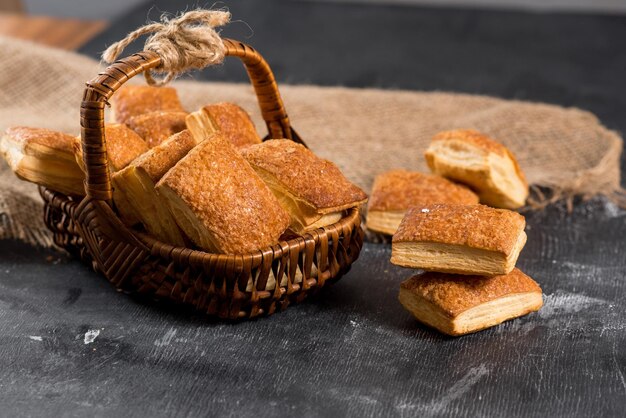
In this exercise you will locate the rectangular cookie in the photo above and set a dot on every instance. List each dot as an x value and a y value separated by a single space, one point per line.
311 189
459 239
485 165
229 119
134 190
458 305
395 191
43 157
130 101
219 201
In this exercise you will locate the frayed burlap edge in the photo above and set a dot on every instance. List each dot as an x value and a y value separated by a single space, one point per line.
587 184
26 222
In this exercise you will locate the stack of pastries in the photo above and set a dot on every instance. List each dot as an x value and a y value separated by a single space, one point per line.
202 179
468 250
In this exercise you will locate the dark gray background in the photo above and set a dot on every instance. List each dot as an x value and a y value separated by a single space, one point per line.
354 350
95 9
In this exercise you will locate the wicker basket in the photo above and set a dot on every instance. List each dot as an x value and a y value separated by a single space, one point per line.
229 286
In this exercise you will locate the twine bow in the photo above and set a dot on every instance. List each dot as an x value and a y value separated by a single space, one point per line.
186 42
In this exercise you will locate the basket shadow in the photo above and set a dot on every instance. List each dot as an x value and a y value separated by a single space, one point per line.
367 294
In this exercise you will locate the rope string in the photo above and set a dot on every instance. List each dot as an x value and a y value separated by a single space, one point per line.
187 42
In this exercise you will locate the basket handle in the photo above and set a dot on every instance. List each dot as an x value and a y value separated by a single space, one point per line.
100 89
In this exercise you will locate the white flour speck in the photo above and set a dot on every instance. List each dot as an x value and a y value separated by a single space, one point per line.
166 339
612 210
440 405
90 336
35 337
425 210
563 303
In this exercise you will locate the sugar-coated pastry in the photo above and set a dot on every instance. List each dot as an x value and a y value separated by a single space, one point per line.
311 189
458 305
156 127
227 118
461 239
397 190
130 101
219 201
485 165
134 188
44 157
122 143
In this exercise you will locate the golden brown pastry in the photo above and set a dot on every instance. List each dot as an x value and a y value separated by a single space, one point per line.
459 239
130 101
44 157
485 165
134 188
311 189
458 305
227 118
156 127
220 203
397 190
122 143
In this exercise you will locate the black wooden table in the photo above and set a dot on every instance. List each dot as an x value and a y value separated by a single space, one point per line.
70 345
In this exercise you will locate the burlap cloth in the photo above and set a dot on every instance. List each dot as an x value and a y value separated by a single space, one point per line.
364 131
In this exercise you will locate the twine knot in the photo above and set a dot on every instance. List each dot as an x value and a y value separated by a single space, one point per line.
187 42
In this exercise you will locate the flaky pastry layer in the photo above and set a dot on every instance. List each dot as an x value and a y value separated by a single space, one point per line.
397 190
297 171
487 166
304 216
220 202
43 157
472 226
137 200
156 127
234 123
159 159
385 222
130 101
458 259
134 188
458 305
229 119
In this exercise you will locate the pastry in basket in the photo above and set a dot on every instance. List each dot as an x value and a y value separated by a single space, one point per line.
462 239
134 188
311 189
44 157
397 190
270 284
156 127
485 165
122 143
220 203
130 101
227 118
458 305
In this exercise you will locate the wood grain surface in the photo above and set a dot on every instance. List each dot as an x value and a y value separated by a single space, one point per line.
59 33
355 351
70 343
